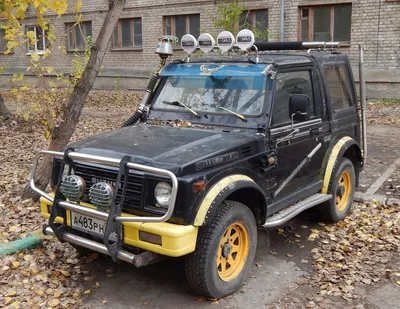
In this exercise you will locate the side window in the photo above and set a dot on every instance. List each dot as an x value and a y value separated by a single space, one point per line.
339 90
287 84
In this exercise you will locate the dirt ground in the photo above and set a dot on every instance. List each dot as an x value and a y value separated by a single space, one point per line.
304 264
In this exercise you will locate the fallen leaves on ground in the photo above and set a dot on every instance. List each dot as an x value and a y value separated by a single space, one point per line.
384 112
50 276
359 250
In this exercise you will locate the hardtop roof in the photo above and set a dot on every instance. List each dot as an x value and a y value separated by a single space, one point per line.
278 59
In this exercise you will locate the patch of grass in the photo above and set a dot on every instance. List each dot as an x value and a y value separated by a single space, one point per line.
390 101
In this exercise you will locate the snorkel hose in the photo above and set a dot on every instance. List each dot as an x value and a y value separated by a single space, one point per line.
164 50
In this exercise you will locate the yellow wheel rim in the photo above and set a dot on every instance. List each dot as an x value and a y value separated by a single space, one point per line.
343 191
232 251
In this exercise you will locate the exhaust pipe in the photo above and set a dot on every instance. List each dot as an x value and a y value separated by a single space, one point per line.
363 102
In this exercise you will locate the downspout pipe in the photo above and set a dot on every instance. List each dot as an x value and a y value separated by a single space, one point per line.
363 103
282 22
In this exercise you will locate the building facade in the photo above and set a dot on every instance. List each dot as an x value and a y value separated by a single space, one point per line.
374 24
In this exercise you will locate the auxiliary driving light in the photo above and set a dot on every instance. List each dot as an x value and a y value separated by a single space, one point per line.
206 42
73 187
245 39
189 43
226 41
101 195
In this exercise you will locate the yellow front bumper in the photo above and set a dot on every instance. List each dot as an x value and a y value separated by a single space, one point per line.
176 240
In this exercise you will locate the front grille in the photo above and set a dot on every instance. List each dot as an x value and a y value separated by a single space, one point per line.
93 174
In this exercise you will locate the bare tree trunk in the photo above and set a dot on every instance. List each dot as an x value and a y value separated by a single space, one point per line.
3 109
62 134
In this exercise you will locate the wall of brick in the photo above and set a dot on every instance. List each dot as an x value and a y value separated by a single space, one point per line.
375 25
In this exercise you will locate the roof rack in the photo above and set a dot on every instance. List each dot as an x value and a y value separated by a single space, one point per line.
295 45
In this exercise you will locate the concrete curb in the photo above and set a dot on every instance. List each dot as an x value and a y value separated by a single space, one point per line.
365 197
32 241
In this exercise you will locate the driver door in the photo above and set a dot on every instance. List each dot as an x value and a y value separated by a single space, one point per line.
292 148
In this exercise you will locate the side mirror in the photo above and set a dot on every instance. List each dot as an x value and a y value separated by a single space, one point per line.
299 107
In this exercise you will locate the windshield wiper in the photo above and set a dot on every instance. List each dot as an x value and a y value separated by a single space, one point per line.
233 113
178 103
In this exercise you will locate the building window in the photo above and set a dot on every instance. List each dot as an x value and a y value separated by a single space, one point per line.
128 33
326 23
337 82
182 24
3 42
39 46
256 20
77 34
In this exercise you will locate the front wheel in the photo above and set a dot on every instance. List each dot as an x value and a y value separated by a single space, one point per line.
225 250
342 188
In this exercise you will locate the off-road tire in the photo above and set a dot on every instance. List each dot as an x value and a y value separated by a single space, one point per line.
201 266
329 210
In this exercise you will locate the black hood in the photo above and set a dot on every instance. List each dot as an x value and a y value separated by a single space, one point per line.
164 146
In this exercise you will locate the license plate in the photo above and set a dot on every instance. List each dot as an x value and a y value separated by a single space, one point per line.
89 225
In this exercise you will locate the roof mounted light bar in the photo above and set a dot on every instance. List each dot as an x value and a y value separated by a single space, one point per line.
244 41
225 42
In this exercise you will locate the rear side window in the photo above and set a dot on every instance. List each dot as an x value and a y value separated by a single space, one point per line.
287 84
337 81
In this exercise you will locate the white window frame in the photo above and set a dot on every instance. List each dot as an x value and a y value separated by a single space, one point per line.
30 51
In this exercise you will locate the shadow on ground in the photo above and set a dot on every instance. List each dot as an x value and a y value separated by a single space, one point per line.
282 258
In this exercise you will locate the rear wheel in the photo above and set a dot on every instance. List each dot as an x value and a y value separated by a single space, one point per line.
342 187
225 251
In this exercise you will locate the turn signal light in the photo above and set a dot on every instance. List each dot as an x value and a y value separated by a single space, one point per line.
199 185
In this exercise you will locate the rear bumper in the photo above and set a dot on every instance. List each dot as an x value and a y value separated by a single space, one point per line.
176 240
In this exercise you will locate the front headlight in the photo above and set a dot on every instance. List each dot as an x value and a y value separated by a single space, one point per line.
162 194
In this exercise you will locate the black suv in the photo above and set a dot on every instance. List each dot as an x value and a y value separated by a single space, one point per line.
228 144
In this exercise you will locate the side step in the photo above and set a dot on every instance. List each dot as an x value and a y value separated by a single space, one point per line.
292 211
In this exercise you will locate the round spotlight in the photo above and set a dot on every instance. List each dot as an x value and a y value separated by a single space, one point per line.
245 39
189 43
225 41
101 195
73 187
206 42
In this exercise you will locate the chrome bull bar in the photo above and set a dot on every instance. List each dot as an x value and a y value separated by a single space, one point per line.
113 163
137 260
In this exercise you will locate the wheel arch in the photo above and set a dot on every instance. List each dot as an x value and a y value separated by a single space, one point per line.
236 188
346 147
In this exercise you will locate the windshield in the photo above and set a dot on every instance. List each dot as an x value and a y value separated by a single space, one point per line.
207 94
